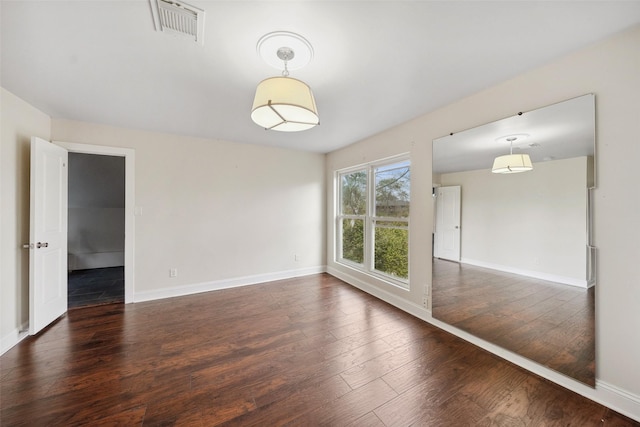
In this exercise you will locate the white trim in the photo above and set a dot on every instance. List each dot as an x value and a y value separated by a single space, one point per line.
81 261
565 280
619 400
129 204
608 395
403 304
612 397
224 284
368 218
13 338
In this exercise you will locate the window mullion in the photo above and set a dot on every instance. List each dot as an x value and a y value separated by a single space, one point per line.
370 214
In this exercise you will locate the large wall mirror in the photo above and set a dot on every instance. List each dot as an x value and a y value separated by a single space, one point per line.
513 259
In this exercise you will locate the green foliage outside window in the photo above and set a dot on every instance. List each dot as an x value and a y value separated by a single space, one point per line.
354 193
390 246
391 252
353 240
392 192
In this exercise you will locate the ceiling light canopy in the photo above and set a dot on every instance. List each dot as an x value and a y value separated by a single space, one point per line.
269 44
284 103
512 163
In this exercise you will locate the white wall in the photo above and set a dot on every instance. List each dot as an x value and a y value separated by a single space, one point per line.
611 70
217 211
19 122
532 223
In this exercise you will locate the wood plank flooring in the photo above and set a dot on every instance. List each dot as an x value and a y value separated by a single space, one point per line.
300 352
95 286
550 323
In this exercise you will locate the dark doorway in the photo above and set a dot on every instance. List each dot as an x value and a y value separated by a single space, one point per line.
96 229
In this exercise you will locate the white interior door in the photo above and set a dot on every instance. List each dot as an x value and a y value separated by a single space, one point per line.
447 234
48 234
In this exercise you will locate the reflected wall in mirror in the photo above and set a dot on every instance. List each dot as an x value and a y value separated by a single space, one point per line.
513 261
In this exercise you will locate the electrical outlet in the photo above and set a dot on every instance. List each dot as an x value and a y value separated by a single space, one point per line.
173 272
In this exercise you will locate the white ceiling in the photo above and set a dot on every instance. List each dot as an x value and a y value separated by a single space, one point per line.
375 65
559 131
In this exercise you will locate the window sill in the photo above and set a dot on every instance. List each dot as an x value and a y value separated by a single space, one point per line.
388 280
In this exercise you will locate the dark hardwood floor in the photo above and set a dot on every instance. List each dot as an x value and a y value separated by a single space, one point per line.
550 323
95 286
302 352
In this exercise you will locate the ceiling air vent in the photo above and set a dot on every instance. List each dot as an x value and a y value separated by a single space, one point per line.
178 18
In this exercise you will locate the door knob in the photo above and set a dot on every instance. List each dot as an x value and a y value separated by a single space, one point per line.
42 245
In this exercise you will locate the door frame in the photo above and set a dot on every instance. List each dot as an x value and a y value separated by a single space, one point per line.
129 204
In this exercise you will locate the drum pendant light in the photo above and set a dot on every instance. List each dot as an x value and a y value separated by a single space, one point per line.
284 103
512 163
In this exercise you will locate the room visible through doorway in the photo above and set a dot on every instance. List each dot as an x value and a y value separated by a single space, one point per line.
96 229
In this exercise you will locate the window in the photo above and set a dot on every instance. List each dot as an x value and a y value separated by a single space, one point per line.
373 219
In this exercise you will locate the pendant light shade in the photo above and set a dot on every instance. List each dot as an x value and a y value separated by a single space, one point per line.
284 104
512 163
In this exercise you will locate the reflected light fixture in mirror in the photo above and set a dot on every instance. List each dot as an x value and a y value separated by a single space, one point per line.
284 103
512 163
522 275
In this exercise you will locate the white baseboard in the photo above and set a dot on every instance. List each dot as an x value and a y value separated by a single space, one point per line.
414 309
14 337
83 261
581 283
619 400
223 284
608 395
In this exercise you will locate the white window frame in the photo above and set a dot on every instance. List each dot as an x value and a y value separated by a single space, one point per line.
370 221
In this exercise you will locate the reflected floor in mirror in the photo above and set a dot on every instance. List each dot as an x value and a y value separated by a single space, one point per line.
547 322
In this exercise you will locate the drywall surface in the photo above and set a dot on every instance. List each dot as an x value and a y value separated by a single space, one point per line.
20 121
532 223
610 70
215 210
